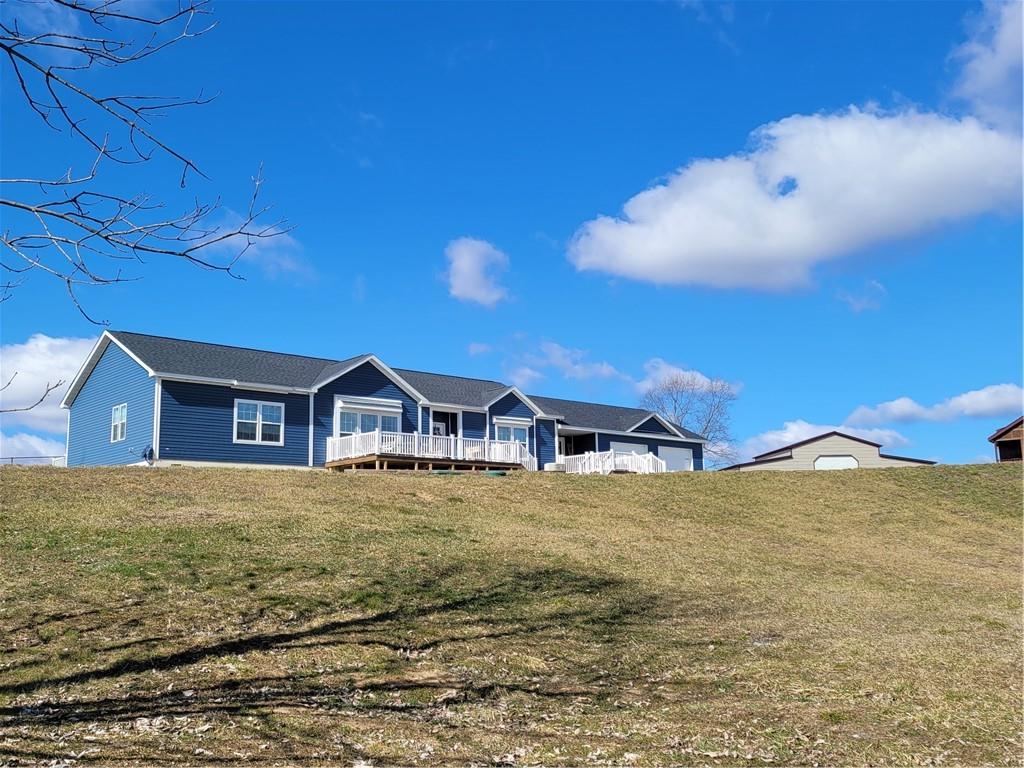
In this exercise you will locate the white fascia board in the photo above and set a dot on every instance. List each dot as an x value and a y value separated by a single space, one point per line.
529 403
603 431
401 383
660 420
90 362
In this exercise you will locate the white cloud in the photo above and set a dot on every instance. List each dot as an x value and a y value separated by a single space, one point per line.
277 255
990 80
40 361
658 371
523 376
24 444
795 431
814 188
572 363
869 298
477 348
472 265
994 400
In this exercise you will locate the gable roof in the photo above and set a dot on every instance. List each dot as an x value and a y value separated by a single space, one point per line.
198 359
454 390
576 413
816 438
240 366
1008 428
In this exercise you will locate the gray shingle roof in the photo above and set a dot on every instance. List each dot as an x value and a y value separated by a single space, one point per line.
576 413
217 361
457 390
256 366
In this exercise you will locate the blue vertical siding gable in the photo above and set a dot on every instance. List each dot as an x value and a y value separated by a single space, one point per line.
654 426
115 379
509 405
197 424
366 380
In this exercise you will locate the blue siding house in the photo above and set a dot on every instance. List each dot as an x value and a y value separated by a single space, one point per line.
141 399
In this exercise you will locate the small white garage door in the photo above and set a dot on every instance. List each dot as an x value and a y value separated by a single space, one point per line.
640 448
835 462
676 459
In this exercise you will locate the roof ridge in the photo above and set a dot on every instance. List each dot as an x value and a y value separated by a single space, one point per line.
450 376
237 346
588 402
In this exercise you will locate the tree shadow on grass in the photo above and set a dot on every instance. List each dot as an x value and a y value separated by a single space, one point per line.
440 609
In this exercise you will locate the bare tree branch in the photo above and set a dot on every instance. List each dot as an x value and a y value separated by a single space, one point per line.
74 228
46 393
700 405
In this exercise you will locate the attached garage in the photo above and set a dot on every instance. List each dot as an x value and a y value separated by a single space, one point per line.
676 459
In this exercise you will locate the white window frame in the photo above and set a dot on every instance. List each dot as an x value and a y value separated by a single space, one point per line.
365 406
119 426
513 424
259 422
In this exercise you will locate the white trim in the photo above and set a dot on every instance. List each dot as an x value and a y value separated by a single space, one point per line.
371 406
516 420
90 362
382 404
401 383
453 407
513 423
311 429
259 423
67 439
157 392
527 401
664 422
122 431
656 435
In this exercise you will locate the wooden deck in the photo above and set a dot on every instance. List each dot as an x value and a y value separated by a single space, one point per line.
391 461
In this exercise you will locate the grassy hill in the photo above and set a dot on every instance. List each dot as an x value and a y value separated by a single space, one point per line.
202 616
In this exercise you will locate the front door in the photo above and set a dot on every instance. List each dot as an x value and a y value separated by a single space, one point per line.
561 446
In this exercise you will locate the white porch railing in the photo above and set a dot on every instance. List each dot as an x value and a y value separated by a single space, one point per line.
606 462
428 447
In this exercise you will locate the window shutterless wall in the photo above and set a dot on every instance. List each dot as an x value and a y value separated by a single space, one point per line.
116 379
197 423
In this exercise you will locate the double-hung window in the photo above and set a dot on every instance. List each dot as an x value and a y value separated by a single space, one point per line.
259 423
118 422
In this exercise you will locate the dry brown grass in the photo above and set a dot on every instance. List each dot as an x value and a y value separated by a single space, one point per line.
217 616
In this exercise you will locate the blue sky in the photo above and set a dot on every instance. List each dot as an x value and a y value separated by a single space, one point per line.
822 205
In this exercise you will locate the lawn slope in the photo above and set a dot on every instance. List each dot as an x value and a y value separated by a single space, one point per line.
219 616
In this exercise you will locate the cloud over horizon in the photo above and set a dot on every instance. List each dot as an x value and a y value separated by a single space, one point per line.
33 364
991 401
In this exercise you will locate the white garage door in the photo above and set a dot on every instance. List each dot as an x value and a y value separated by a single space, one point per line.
835 462
677 459
640 448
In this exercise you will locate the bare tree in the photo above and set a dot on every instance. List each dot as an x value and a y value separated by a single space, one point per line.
701 405
76 228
